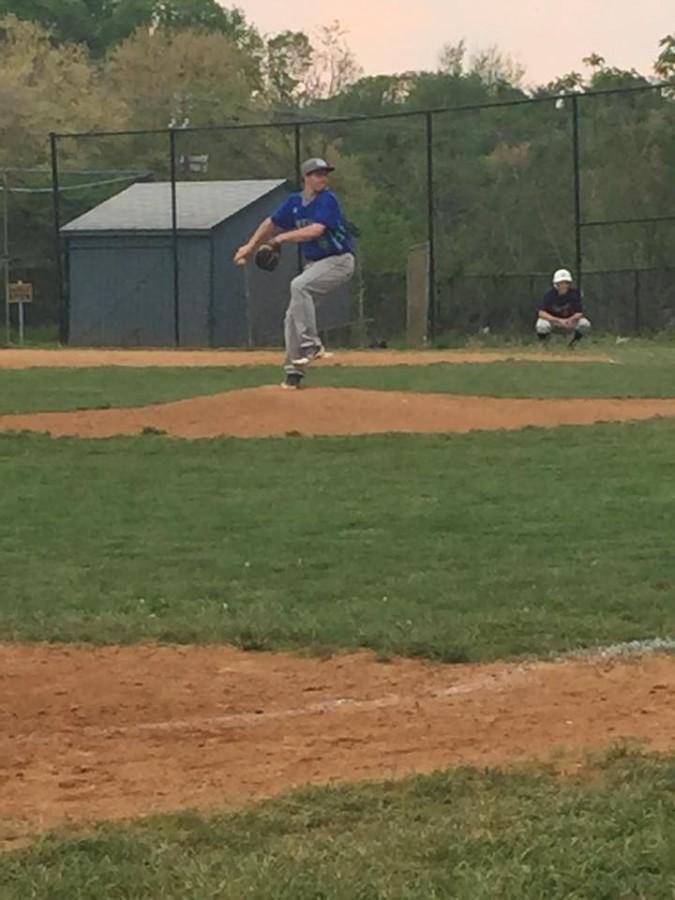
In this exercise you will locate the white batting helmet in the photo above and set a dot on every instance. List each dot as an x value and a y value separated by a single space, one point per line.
562 275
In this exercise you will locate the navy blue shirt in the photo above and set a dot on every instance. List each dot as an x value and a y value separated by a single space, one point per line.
324 209
562 306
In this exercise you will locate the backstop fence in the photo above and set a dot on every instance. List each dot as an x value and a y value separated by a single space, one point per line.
501 193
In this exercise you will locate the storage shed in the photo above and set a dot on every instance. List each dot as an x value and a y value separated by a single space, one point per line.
120 273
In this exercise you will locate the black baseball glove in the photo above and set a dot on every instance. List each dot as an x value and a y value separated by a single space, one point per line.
267 257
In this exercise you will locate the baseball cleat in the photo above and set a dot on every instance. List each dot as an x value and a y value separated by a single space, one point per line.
312 354
293 382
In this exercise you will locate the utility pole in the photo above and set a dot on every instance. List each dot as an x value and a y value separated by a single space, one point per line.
5 251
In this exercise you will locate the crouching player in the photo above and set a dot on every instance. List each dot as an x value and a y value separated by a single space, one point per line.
561 310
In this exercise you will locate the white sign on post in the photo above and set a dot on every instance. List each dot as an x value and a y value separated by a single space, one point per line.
20 292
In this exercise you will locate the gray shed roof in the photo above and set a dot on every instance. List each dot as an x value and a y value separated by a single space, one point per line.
201 206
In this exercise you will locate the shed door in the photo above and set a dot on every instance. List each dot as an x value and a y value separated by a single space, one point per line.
121 296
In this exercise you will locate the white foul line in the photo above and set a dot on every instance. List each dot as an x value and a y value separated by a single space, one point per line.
511 674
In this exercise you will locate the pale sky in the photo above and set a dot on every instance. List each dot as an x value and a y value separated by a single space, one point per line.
548 38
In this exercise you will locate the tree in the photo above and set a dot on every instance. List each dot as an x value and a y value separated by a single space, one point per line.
45 88
334 66
169 76
569 83
288 59
100 24
665 63
594 61
452 59
495 69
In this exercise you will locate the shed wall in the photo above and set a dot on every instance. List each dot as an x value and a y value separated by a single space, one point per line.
120 290
236 319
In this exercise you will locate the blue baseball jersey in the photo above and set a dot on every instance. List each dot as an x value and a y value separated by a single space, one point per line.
324 209
561 305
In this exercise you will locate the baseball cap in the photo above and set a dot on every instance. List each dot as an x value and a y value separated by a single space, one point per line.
562 275
315 164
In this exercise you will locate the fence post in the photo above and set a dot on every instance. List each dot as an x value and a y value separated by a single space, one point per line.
532 299
174 239
297 134
431 235
62 294
577 191
5 254
297 180
636 300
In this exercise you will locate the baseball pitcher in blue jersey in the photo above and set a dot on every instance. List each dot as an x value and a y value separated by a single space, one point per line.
314 219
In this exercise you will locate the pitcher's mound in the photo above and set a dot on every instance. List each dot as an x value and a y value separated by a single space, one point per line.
267 411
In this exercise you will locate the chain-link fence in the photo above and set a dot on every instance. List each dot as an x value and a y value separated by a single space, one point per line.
502 193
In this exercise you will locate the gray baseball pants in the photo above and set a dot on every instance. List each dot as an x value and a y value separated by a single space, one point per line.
318 279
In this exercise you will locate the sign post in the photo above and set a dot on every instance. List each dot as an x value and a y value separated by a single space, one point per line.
20 292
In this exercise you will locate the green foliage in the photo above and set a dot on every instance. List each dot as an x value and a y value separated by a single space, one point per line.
665 64
289 57
147 73
44 88
100 24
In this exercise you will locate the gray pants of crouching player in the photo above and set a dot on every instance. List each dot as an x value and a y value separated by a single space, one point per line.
318 279
544 327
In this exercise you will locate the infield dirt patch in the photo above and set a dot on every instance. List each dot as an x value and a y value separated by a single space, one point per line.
69 357
117 732
268 411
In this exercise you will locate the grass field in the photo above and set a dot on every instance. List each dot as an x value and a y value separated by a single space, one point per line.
451 547
638 375
606 834
456 547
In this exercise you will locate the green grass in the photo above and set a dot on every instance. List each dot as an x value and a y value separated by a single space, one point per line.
454 547
462 835
513 379
46 336
32 390
43 389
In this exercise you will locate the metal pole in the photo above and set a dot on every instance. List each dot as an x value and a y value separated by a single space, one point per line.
62 296
636 300
431 232
174 239
298 150
5 252
361 304
20 323
249 315
298 162
578 250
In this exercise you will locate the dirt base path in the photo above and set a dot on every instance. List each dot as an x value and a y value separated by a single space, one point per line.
267 411
116 732
78 358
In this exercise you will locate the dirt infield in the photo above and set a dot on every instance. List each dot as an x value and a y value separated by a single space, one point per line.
82 358
116 732
268 411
